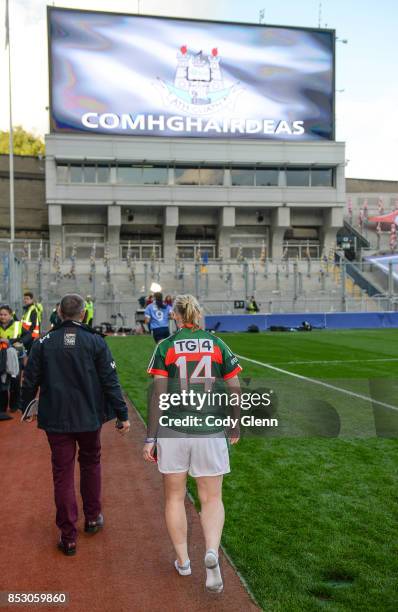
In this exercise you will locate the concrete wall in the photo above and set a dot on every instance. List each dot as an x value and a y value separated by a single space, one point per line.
226 207
354 185
90 146
105 148
88 204
31 219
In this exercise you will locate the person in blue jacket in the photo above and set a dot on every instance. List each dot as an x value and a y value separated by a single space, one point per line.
157 315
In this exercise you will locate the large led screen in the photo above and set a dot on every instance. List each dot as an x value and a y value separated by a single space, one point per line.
154 76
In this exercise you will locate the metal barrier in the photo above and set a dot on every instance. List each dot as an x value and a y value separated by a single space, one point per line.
26 249
279 285
11 270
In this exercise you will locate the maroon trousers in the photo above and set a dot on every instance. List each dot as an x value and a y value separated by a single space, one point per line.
63 452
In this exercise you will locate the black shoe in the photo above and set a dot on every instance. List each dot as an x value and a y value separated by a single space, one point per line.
68 548
94 526
4 416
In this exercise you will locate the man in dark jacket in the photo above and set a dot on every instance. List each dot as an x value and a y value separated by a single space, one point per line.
79 391
54 317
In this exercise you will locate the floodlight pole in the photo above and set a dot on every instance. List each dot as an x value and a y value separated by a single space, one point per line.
10 137
11 161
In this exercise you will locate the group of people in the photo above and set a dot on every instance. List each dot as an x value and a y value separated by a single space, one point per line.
144 301
159 312
16 338
72 372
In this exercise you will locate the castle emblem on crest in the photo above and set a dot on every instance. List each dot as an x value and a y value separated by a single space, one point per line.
198 87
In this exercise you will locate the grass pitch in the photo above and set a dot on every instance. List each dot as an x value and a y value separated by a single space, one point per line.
311 520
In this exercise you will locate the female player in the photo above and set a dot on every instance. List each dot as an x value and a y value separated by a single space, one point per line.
157 315
192 359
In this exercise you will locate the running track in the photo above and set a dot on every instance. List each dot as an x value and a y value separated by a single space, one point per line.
127 566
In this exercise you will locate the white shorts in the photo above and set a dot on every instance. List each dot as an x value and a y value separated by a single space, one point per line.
200 455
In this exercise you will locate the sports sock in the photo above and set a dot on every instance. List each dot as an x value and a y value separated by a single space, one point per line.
213 573
185 569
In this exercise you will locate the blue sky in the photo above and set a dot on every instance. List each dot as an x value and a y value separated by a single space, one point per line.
366 67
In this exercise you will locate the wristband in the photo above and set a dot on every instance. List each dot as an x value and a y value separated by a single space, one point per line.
150 440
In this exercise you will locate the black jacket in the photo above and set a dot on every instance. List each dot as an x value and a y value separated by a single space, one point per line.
54 319
76 373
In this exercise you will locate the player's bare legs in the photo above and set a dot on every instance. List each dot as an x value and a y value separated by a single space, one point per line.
212 509
176 518
212 520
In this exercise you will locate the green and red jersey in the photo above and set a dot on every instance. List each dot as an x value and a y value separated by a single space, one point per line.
191 349
195 359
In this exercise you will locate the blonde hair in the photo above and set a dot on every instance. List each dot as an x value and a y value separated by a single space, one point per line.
187 306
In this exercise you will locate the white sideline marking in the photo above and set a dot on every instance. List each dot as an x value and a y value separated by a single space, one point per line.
339 361
319 382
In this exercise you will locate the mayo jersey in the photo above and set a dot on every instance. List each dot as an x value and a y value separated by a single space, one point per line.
194 361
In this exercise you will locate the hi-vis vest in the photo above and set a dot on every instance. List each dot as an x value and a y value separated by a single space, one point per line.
12 332
27 323
39 309
250 307
90 310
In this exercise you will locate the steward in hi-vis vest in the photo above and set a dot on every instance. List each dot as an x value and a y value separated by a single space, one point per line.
30 318
10 328
39 308
89 305
251 306
12 331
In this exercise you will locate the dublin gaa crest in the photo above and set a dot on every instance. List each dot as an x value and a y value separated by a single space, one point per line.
198 87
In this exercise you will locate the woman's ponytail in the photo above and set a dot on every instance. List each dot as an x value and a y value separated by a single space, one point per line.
187 306
159 300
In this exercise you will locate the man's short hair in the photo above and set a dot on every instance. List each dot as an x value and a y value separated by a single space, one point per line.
71 306
28 294
6 307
